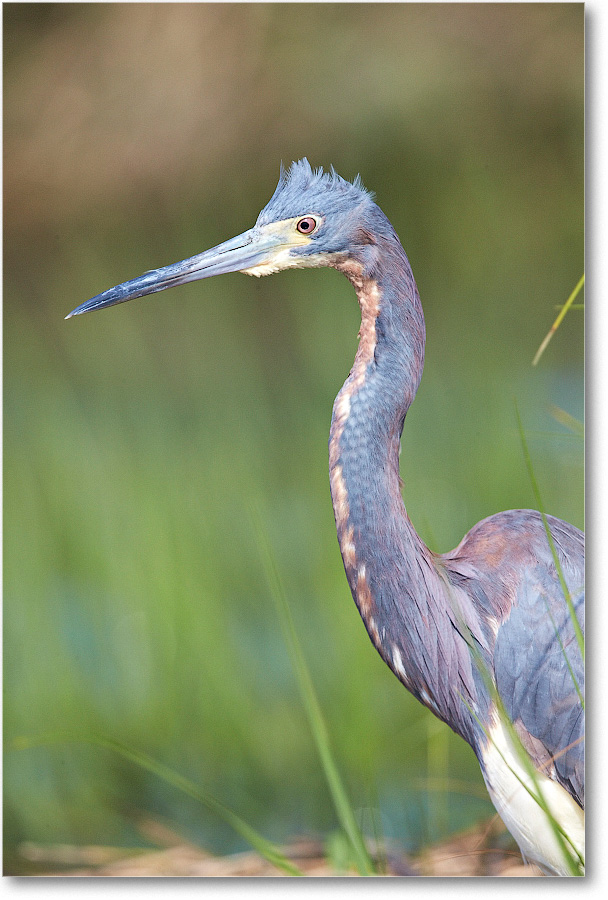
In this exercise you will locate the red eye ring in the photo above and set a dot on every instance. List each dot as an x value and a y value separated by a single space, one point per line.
307 225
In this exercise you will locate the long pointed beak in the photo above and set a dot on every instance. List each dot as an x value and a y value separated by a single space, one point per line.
252 248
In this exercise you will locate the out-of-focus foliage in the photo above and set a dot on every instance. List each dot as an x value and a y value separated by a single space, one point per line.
138 439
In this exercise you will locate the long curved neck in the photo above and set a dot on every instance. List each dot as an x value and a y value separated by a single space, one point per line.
367 423
397 583
370 410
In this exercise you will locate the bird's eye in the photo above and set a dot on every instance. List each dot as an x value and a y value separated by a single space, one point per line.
306 225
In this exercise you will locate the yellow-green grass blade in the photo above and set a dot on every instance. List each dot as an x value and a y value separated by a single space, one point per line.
570 854
574 862
577 628
567 305
312 707
571 422
268 850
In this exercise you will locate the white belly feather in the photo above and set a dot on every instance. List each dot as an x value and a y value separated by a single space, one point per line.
507 779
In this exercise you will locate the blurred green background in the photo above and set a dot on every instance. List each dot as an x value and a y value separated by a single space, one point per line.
138 440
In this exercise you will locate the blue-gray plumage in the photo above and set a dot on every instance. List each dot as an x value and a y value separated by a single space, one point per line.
473 633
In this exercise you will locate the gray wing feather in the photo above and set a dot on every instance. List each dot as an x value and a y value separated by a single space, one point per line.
506 566
541 691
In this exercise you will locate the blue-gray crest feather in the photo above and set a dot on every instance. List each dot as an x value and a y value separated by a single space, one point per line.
302 189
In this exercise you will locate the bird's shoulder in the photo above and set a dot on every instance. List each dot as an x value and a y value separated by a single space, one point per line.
511 547
507 565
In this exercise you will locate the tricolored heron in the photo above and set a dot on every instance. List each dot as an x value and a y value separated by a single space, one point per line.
483 635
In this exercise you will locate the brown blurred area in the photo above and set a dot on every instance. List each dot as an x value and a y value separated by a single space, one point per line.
105 102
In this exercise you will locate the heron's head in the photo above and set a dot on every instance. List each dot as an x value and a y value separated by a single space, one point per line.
316 218
313 219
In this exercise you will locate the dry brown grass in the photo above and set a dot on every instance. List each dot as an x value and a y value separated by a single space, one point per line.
466 855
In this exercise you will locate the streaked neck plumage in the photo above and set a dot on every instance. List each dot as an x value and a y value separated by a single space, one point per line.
396 581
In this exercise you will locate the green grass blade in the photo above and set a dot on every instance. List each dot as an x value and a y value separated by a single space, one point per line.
577 628
318 728
574 862
559 319
565 655
256 840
